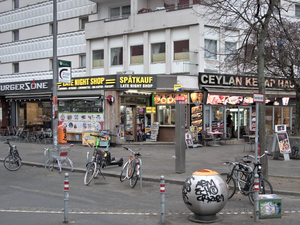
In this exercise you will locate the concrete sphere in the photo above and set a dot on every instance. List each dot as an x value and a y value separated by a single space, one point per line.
205 193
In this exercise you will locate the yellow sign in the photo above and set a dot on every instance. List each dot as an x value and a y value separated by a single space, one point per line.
177 87
150 109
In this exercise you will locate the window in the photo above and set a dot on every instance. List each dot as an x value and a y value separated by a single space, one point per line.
83 21
120 11
15 67
116 56
230 50
210 49
51 28
158 52
137 54
297 10
166 115
15 4
16 35
98 58
83 61
181 50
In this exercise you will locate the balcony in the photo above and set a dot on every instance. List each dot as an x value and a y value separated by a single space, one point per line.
139 22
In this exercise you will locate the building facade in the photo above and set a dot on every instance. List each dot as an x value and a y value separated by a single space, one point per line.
116 48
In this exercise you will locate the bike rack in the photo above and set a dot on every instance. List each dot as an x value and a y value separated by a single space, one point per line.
140 173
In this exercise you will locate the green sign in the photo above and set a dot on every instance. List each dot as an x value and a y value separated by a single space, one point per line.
64 71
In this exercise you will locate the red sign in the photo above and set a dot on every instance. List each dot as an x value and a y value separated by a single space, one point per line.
258 97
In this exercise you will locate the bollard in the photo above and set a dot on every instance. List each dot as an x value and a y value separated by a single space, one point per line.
162 199
66 200
256 201
87 158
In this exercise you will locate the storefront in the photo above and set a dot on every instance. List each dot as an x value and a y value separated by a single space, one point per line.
28 103
230 97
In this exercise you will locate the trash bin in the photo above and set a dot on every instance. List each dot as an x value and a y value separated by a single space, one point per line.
205 193
269 206
62 134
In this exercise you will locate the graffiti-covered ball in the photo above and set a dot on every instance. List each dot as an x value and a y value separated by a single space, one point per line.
205 192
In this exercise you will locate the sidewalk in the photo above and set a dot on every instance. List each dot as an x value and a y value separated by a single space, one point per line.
159 159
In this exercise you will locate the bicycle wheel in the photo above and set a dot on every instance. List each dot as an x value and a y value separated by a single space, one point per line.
131 168
133 180
12 163
265 187
123 172
90 173
231 185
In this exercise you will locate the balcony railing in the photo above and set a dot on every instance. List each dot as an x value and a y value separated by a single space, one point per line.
116 18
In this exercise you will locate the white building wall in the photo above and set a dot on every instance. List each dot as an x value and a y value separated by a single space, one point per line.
5 6
34 32
5 37
34 65
66 26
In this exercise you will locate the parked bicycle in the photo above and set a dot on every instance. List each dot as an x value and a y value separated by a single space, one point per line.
13 161
100 159
131 169
243 175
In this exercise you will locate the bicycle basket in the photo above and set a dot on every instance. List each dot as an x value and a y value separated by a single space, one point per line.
99 153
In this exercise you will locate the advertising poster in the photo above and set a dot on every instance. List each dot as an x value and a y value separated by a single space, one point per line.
283 142
80 122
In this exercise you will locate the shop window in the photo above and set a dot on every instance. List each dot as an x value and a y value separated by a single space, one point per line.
35 114
210 51
269 118
98 58
158 52
116 56
230 50
137 54
166 115
218 118
80 105
181 50
277 116
286 116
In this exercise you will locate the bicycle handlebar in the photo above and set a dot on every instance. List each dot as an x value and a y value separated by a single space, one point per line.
132 152
259 157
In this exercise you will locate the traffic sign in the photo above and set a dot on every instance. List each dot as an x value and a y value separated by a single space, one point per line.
64 71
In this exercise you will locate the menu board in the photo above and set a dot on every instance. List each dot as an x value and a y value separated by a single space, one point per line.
224 100
168 98
194 133
80 122
196 117
283 142
129 124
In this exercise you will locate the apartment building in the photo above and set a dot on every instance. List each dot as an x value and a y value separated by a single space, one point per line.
124 55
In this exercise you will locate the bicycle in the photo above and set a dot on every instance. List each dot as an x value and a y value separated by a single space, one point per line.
131 169
243 175
13 161
100 159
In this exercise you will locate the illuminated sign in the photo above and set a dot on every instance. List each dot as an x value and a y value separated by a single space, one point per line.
89 83
26 86
136 81
242 81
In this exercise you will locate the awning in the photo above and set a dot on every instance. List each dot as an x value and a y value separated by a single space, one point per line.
242 91
29 97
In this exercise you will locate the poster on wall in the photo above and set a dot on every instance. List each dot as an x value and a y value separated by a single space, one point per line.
80 122
169 98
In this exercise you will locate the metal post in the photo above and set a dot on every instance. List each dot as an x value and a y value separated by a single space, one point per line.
256 201
256 180
162 199
66 199
87 157
140 172
55 75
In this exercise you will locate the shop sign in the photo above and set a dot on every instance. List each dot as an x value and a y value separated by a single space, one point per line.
169 98
26 86
64 71
136 81
177 87
150 109
242 81
89 83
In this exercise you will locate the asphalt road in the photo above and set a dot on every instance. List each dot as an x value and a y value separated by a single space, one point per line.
30 197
